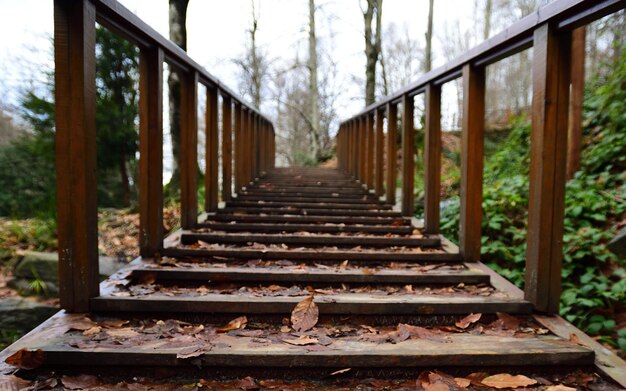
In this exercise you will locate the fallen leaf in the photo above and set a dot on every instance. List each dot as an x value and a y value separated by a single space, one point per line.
304 316
560 387
340 371
193 351
462 382
417 332
82 324
247 383
27 359
301 341
468 320
235 324
574 338
504 380
80 382
92 331
12 382
508 322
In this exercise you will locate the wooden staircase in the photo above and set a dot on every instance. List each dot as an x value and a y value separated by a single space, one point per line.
389 298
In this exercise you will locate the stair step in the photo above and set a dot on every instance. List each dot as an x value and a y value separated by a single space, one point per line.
311 254
309 240
321 219
312 228
308 205
311 211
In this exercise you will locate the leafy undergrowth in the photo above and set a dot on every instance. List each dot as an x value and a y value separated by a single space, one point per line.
594 279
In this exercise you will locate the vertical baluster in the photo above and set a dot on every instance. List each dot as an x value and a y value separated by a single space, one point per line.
189 150
212 148
472 139
408 164
75 94
551 78
237 147
363 149
576 101
369 152
380 149
392 149
432 159
150 151
227 147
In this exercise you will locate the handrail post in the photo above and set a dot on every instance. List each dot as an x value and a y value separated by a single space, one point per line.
212 148
380 149
432 159
369 152
546 199
363 150
472 140
237 148
227 147
150 151
392 153
408 164
75 118
189 150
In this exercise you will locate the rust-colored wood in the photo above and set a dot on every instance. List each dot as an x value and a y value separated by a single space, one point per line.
150 151
544 248
408 159
321 219
432 159
362 153
392 153
189 151
75 109
316 228
238 159
227 147
472 142
369 151
245 149
211 147
380 153
574 140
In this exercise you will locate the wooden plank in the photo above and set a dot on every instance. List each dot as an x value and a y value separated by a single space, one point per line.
285 197
362 152
278 275
340 304
227 147
408 163
75 119
317 240
237 149
313 212
247 227
306 205
380 155
472 140
150 151
432 159
544 250
392 153
369 151
577 72
312 255
252 193
189 150
211 151
605 360
312 219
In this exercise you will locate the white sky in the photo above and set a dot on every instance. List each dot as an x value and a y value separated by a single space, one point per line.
217 33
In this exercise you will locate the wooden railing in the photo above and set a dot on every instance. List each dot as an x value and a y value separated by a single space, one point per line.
75 94
549 32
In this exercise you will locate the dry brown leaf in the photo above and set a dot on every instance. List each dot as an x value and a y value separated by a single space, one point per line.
504 380
304 316
92 331
574 339
340 371
27 359
193 351
12 382
247 383
82 324
417 332
560 387
462 382
468 320
80 382
301 341
508 322
235 324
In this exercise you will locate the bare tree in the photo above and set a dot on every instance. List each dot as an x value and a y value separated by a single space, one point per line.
401 55
178 35
373 41
428 55
313 87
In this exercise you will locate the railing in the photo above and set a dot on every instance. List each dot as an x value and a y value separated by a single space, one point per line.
549 31
75 94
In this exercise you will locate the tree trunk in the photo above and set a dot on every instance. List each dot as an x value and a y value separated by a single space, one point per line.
178 35
256 67
428 57
313 86
372 47
487 26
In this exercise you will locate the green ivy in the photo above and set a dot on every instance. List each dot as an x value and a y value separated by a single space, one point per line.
594 280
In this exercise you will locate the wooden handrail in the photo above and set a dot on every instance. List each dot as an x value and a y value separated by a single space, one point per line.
75 100
549 31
